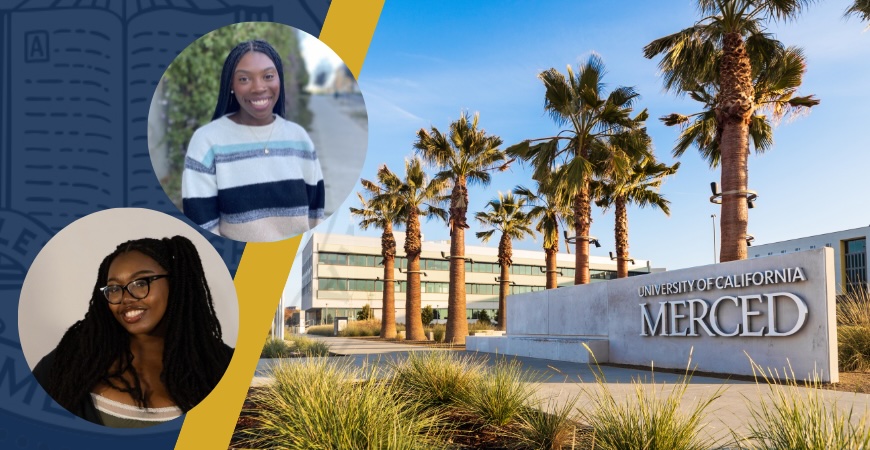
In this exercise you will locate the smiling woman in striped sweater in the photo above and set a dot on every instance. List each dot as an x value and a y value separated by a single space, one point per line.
250 174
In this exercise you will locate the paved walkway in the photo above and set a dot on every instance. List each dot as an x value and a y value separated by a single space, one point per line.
562 380
341 142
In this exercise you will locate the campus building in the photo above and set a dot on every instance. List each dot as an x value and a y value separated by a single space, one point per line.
341 274
850 254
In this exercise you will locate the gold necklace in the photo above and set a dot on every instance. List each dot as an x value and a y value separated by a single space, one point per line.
257 138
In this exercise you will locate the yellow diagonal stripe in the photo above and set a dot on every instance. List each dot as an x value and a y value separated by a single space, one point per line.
259 282
264 267
348 29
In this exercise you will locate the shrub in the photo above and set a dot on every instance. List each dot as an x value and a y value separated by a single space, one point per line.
365 313
320 330
793 418
646 420
437 378
308 346
427 314
502 393
438 332
320 405
362 328
483 318
480 326
275 348
853 331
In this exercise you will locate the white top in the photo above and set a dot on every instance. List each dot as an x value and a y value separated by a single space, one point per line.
124 411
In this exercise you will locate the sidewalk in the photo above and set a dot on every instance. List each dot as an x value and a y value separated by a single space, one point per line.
564 379
341 143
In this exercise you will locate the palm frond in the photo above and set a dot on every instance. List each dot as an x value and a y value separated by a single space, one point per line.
860 8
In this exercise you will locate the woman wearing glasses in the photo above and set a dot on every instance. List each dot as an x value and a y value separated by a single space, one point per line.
149 348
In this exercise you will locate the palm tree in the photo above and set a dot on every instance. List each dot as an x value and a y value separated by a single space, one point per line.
506 215
638 186
775 84
579 102
379 210
413 197
465 156
725 46
550 211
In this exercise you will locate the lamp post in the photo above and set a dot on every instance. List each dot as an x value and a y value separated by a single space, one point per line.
574 239
326 317
713 216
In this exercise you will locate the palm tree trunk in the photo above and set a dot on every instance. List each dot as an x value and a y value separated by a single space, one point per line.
550 262
504 261
620 229
733 115
582 225
388 304
413 315
457 322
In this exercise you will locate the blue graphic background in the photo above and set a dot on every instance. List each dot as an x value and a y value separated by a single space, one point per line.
76 81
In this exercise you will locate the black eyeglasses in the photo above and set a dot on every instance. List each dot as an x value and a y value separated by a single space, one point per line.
138 289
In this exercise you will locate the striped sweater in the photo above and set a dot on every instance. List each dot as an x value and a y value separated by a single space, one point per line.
238 185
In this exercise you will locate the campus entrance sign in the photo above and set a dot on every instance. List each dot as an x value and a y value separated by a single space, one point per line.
779 311
702 316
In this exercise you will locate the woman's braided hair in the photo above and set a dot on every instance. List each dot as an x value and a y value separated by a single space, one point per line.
96 349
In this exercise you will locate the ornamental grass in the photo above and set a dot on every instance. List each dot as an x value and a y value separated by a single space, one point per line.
853 331
551 428
437 378
320 405
500 395
357 328
308 346
320 330
649 419
294 346
795 416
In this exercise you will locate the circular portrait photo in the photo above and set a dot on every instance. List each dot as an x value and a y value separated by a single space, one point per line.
257 131
128 318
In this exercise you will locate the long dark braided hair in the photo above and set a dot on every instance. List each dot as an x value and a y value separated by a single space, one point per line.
97 348
227 102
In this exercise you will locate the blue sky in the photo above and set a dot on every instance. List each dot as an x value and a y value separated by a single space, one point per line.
429 62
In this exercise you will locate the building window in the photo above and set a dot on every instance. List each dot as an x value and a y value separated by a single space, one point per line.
521 269
435 264
433 287
335 259
602 274
363 260
332 284
856 264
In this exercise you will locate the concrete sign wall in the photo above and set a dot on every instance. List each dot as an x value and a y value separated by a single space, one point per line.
778 310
